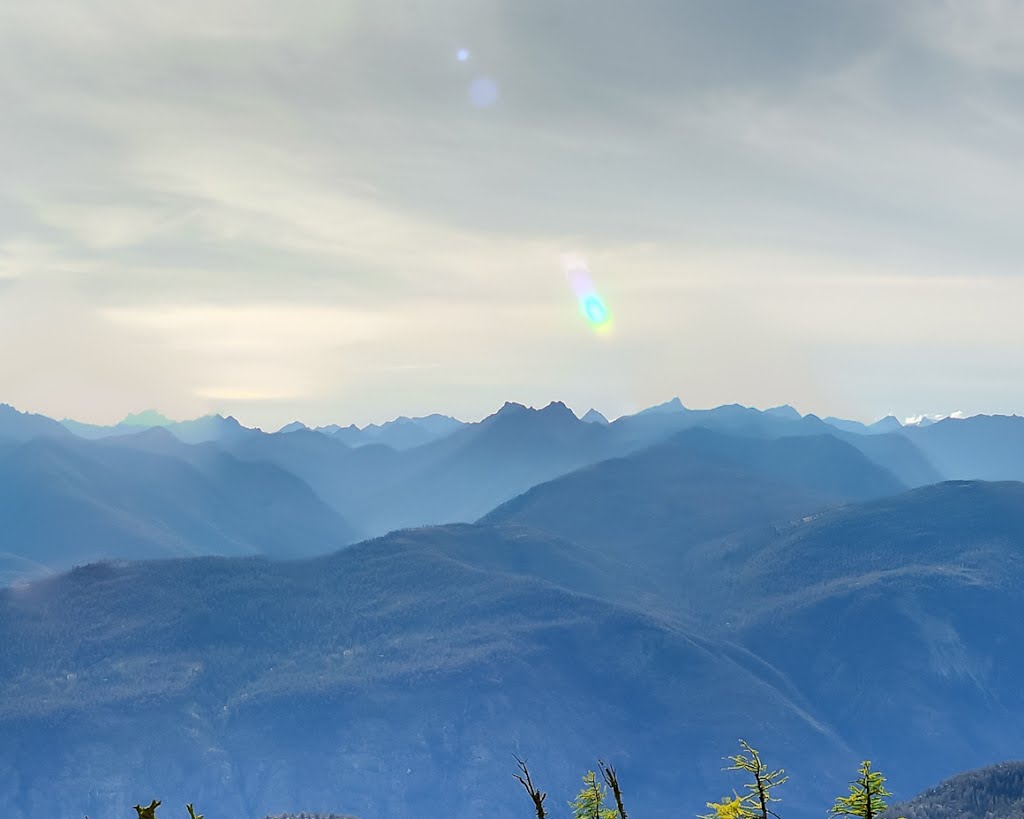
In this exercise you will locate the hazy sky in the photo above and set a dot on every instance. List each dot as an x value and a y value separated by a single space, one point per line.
317 210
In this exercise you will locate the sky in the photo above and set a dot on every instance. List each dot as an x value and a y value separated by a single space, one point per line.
345 211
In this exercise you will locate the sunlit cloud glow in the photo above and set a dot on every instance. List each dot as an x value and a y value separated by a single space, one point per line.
341 213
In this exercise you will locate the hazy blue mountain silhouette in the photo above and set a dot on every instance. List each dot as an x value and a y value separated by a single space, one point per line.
199 430
455 478
400 433
146 419
394 678
465 473
70 501
701 575
901 619
367 679
895 620
346 477
893 451
987 447
784 411
93 431
211 428
888 424
466 470
592 416
404 433
673 405
18 426
846 425
351 436
698 485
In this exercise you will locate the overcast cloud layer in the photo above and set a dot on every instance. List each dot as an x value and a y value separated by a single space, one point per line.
295 210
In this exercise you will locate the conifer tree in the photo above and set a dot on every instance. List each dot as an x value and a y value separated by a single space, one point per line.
867 795
148 812
755 803
738 807
589 803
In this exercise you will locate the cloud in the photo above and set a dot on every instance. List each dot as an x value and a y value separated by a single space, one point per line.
253 330
236 394
986 34
300 209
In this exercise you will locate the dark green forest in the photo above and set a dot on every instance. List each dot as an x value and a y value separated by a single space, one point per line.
995 792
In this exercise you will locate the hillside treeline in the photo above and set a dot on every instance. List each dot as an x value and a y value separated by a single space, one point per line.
601 795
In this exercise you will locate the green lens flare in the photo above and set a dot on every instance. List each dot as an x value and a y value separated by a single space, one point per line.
595 310
590 303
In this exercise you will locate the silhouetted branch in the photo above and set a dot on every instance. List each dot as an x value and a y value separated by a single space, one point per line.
538 798
611 779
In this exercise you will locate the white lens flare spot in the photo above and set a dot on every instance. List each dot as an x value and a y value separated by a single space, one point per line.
462 55
483 92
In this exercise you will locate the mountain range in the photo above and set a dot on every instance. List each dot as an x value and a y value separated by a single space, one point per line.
645 590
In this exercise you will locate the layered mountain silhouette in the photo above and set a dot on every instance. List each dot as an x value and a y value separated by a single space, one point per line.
468 469
216 428
698 485
884 629
65 501
648 589
463 475
401 433
18 426
455 478
988 447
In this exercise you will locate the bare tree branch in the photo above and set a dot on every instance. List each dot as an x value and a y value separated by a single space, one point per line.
611 779
535 794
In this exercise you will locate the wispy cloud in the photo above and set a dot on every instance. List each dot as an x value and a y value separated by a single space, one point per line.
300 210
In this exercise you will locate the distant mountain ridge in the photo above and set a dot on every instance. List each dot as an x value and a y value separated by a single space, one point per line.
462 471
650 588
199 430
697 485
146 418
985 447
18 426
994 792
65 501
401 433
